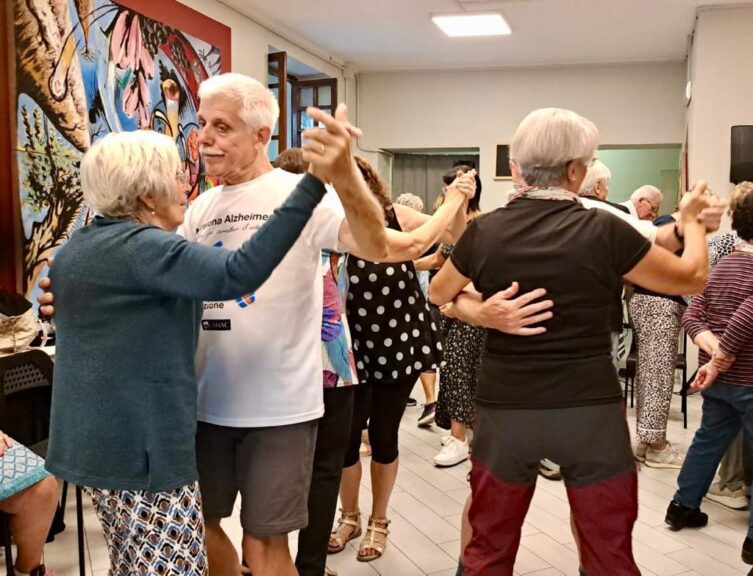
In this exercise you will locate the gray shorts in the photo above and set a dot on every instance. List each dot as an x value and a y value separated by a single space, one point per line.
270 467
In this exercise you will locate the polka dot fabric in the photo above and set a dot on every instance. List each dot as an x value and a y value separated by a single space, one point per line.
391 328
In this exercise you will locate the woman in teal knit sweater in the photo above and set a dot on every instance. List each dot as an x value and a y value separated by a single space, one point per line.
128 303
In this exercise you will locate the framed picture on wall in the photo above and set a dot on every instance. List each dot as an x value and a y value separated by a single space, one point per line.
502 163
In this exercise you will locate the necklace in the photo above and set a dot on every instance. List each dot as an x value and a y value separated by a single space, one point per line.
551 193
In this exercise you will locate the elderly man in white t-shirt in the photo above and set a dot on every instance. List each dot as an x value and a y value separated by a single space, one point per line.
258 359
644 203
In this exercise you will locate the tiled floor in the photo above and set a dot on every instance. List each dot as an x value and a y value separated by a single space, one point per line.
426 508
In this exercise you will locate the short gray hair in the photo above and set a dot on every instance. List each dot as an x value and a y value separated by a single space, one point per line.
647 191
411 201
547 140
122 167
257 105
595 174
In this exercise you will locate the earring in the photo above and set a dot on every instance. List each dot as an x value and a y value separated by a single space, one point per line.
153 212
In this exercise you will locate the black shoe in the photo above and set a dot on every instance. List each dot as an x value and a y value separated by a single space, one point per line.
411 402
748 551
427 416
679 517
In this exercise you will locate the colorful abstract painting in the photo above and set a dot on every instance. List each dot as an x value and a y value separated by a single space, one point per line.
85 68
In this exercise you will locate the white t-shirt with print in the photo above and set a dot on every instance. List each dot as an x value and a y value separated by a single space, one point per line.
644 227
259 359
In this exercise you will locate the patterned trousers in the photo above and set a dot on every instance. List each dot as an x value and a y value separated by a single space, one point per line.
657 326
152 533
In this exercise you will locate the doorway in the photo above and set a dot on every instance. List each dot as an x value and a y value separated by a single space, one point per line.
420 172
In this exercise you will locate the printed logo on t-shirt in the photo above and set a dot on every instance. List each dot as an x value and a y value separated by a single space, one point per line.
216 324
244 300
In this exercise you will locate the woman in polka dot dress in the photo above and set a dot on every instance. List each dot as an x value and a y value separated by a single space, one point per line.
394 340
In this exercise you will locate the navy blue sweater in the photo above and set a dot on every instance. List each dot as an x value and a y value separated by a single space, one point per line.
128 303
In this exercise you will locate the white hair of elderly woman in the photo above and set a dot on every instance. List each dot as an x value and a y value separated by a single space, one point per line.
547 140
649 192
411 201
595 174
257 105
124 166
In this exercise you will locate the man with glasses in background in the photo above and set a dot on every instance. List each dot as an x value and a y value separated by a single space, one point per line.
645 202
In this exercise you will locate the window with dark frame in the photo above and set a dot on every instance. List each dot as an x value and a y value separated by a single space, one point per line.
277 82
321 94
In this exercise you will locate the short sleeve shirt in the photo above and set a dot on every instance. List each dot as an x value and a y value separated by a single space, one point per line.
579 256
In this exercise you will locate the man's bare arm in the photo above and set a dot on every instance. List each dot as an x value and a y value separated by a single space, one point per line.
501 311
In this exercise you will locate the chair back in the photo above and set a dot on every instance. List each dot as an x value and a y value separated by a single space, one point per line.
26 397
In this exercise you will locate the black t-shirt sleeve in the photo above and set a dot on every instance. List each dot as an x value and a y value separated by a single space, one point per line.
626 244
462 255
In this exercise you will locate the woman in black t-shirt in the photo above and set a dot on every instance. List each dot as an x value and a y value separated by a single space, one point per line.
556 394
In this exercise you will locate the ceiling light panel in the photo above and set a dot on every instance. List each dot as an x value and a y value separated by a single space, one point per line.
463 25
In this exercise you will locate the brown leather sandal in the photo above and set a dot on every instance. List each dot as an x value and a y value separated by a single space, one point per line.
375 540
348 528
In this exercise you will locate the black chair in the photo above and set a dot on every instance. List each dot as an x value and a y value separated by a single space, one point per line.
631 365
681 363
25 402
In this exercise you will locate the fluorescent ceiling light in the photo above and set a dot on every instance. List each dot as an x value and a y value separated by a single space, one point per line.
472 25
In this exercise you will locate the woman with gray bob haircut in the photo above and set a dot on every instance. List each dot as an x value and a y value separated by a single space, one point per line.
128 307
548 142
555 394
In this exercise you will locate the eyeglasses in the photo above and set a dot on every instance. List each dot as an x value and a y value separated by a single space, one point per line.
654 207
183 177
587 164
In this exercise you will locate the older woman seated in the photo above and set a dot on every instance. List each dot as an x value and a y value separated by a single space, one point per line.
556 394
29 495
128 300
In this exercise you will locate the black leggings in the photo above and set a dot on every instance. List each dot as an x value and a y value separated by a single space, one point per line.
381 404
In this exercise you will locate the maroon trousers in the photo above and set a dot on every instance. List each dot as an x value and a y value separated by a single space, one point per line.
592 446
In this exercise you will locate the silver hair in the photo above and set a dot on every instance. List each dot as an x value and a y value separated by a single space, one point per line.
122 167
547 140
257 105
647 191
595 174
411 201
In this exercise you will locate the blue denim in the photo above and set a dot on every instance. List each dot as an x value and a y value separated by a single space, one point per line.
726 409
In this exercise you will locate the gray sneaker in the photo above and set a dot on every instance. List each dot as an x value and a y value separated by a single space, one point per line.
667 458
734 499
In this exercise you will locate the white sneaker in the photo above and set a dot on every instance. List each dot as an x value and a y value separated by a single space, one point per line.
453 452
666 458
734 499
639 451
444 439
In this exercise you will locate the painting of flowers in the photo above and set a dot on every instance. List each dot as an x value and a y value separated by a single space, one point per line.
85 68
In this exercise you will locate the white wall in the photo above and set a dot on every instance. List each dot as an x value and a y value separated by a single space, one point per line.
722 97
631 104
722 91
251 41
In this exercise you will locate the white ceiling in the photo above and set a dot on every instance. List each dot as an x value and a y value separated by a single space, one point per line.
395 34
